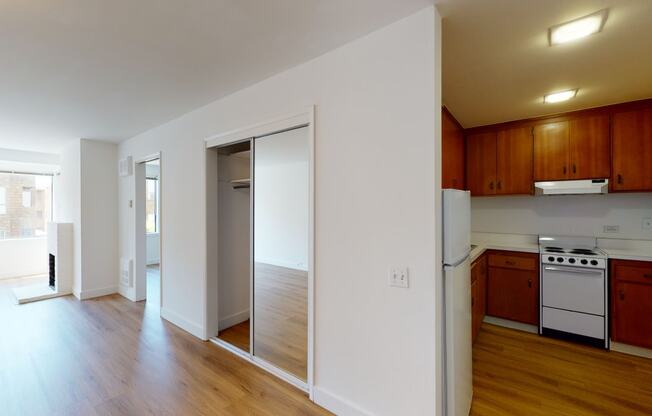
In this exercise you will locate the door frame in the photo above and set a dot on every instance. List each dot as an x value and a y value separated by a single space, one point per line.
140 235
304 117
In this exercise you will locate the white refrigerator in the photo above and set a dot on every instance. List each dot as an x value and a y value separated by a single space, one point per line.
458 382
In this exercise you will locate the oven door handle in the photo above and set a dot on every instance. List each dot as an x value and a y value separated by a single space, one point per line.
574 270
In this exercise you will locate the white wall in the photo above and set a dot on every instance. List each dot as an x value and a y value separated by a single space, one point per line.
564 215
99 218
375 208
23 257
282 201
67 203
234 241
86 196
153 241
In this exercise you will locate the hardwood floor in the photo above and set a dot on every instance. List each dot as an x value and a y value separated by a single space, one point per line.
281 317
110 356
516 373
237 335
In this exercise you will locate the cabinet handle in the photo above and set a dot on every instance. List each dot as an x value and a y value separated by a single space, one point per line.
498 185
564 170
621 295
620 179
529 283
648 275
574 168
510 263
491 185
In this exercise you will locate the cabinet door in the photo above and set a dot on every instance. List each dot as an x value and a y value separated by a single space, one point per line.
481 163
512 294
632 151
551 155
590 149
482 290
452 145
475 316
632 309
514 162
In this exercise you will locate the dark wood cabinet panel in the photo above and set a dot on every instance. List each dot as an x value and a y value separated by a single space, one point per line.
512 292
514 161
590 147
551 151
632 151
478 294
481 163
631 302
453 170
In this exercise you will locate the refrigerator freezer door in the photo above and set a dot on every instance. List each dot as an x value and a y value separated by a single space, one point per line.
457 225
459 360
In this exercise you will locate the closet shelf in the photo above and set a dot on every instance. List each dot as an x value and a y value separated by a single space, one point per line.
241 183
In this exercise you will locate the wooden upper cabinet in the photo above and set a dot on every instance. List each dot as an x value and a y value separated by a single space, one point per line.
551 151
632 151
452 144
514 161
590 148
481 163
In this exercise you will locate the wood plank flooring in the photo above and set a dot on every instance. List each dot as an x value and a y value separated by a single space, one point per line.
517 373
237 335
281 317
110 356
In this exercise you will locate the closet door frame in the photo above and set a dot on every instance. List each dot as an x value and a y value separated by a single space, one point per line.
301 118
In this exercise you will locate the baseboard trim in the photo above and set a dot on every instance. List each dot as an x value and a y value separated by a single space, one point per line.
336 404
234 319
188 326
96 293
631 350
533 329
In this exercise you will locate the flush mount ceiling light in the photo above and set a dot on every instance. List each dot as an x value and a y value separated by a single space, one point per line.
578 28
560 96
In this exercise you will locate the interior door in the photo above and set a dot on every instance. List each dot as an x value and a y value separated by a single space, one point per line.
281 249
514 161
590 147
632 151
551 151
481 163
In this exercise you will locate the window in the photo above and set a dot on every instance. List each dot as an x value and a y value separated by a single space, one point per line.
3 201
27 198
151 205
25 205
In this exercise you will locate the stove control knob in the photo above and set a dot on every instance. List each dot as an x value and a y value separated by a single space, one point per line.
584 261
571 261
560 259
551 258
594 262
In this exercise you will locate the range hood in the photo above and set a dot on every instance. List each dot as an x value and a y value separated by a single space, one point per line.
581 187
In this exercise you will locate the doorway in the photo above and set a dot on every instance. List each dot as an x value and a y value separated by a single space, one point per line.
147 208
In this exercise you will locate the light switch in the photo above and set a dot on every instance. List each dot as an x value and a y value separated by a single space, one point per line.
399 277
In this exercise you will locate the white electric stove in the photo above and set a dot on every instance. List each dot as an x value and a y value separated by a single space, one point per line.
574 290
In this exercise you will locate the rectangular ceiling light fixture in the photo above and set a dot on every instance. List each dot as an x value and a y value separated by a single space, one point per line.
560 96
578 28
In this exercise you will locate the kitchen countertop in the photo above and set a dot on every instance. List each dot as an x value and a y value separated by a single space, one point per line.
615 248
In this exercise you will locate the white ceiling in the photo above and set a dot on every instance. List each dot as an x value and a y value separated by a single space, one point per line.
110 69
497 64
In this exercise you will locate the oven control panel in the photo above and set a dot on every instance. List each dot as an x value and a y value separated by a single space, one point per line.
565 260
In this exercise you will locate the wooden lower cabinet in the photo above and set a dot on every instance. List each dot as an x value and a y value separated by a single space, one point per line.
513 286
631 302
478 294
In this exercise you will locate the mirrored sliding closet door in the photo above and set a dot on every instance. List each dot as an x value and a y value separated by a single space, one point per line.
280 189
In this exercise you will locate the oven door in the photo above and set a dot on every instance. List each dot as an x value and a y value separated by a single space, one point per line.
574 289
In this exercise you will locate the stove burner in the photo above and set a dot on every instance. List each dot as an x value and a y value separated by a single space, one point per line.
583 251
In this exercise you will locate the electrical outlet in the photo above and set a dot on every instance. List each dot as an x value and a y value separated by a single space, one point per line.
399 277
647 223
611 228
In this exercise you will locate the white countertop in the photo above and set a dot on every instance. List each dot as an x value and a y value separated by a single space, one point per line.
615 248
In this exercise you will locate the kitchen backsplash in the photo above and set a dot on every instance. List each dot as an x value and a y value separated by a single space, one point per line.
589 215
